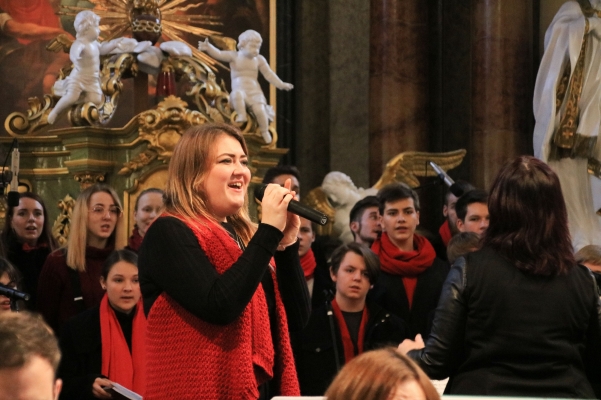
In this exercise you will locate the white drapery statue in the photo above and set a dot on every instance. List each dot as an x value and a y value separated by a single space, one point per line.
567 109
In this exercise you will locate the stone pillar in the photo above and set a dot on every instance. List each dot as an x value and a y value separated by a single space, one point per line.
502 85
398 80
349 88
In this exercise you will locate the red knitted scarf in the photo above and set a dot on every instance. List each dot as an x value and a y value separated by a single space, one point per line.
347 342
445 233
189 358
118 364
135 240
409 264
308 264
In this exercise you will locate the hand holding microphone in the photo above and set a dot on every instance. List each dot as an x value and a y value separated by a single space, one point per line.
297 208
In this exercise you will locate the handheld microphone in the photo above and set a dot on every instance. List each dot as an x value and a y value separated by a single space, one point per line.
13 293
13 196
297 208
453 187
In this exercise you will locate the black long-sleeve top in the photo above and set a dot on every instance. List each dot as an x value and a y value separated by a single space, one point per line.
172 261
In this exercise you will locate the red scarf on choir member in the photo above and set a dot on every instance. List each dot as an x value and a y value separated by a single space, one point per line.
347 342
118 364
135 240
445 233
308 264
27 247
409 264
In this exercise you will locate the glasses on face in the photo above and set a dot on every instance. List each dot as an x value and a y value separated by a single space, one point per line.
100 211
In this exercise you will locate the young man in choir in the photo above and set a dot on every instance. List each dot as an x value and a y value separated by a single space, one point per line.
348 325
280 173
411 276
365 221
449 228
472 212
316 274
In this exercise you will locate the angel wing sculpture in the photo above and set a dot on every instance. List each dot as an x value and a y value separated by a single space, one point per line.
337 194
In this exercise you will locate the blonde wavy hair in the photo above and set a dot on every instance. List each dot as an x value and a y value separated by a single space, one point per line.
188 168
376 375
78 236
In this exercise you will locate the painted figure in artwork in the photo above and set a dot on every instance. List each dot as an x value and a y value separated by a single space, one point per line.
568 117
245 65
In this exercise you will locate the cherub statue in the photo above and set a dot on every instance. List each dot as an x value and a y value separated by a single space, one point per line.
245 65
85 77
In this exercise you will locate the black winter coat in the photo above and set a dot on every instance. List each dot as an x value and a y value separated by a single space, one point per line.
314 351
499 331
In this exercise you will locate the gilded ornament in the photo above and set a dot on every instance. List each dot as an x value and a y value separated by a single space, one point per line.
87 179
60 228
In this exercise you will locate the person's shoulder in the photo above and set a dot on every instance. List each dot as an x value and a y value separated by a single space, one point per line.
85 319
439 265
57 257
167 222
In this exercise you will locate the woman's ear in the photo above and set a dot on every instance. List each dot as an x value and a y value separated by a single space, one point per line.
102 283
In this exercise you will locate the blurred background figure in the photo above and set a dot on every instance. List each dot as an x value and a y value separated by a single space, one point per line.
461 244
9 277
316 274
590 257
30 358
381 375
149 205
28 241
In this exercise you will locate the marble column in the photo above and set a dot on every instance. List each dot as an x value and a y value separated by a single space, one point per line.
502 85
398 80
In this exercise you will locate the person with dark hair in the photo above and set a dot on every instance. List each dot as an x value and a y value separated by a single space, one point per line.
412 276
382 374
449 227
149 205
30 358
68 282
472 212
106 344
518 317
365 220
348 325
221 294
280 173
318 283
461 244
9 277
28 241
590 257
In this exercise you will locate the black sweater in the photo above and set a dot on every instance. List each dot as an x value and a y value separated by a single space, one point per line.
172 261
81 349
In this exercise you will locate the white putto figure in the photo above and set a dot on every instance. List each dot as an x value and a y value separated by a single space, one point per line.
85 55
245 65
567 110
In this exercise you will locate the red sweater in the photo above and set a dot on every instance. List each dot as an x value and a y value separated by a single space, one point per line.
189 358
55 290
